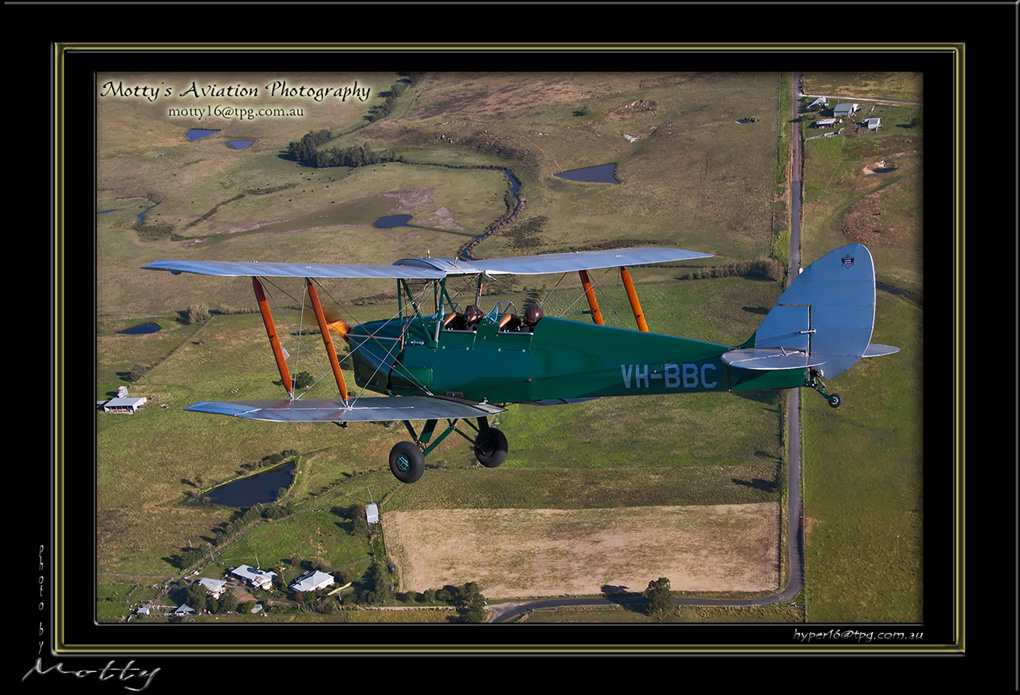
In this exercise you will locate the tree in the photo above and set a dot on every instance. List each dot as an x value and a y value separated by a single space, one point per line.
303 380
197 313
228 602
660 600
359 516
198 597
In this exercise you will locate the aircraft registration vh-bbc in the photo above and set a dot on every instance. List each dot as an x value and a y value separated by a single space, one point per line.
456 365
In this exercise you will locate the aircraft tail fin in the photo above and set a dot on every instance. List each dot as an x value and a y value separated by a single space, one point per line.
824 319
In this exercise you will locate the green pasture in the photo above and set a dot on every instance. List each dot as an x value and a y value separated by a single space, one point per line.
312 535
863 503
749 480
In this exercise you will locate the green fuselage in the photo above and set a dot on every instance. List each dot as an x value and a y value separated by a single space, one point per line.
560 360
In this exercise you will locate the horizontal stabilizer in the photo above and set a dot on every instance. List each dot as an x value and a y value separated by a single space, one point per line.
360 410
876 350
766 359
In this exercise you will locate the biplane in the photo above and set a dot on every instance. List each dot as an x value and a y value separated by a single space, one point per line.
452 365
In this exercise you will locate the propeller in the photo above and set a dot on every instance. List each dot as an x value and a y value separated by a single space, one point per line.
336 324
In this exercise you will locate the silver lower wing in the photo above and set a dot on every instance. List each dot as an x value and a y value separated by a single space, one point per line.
362 410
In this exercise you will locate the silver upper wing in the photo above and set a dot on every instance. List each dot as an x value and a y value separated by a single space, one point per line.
295 270
586 260
436 268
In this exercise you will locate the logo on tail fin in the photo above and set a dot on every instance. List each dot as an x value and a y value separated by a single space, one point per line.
848 261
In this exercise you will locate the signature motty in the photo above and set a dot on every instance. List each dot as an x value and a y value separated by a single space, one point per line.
131 678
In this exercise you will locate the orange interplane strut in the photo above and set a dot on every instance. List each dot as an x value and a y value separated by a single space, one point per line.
635 305
589 292
324 328
274 340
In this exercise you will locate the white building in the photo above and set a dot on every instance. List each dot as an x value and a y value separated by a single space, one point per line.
845 110
372 513
260 579
873 123
313 581
214 586
124 405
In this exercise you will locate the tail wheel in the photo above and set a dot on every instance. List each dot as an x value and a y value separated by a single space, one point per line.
407 462
835 400
491 447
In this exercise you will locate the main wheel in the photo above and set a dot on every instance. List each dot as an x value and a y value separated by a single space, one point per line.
407 462
835 400
490 447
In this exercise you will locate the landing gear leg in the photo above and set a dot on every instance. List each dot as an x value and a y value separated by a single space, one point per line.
815 382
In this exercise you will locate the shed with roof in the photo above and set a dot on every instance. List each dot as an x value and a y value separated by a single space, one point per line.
312 581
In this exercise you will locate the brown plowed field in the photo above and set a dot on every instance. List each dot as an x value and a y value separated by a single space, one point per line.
521 553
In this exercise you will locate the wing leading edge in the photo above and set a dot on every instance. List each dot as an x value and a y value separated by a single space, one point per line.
437 268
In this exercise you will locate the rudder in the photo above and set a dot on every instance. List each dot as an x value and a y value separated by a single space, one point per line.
824 319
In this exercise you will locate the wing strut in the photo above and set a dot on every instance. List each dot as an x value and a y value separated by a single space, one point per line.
596 315
320 317
274 340
635 305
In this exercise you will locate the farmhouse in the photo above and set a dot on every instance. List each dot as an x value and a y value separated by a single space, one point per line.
260 579
124 405
313 581
873 123
845 110
214 586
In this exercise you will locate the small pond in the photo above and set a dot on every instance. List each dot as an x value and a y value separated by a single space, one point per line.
240 144
605 173
198 134
255 489
142 328
391 221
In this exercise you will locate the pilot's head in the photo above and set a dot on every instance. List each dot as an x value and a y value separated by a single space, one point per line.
472 314
532 314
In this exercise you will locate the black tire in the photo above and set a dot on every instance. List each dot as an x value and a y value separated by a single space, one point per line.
407 463
835 400
491 447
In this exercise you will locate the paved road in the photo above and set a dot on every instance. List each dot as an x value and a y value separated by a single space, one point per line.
795 560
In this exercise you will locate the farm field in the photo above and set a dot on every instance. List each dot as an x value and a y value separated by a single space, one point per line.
525 553
616 491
